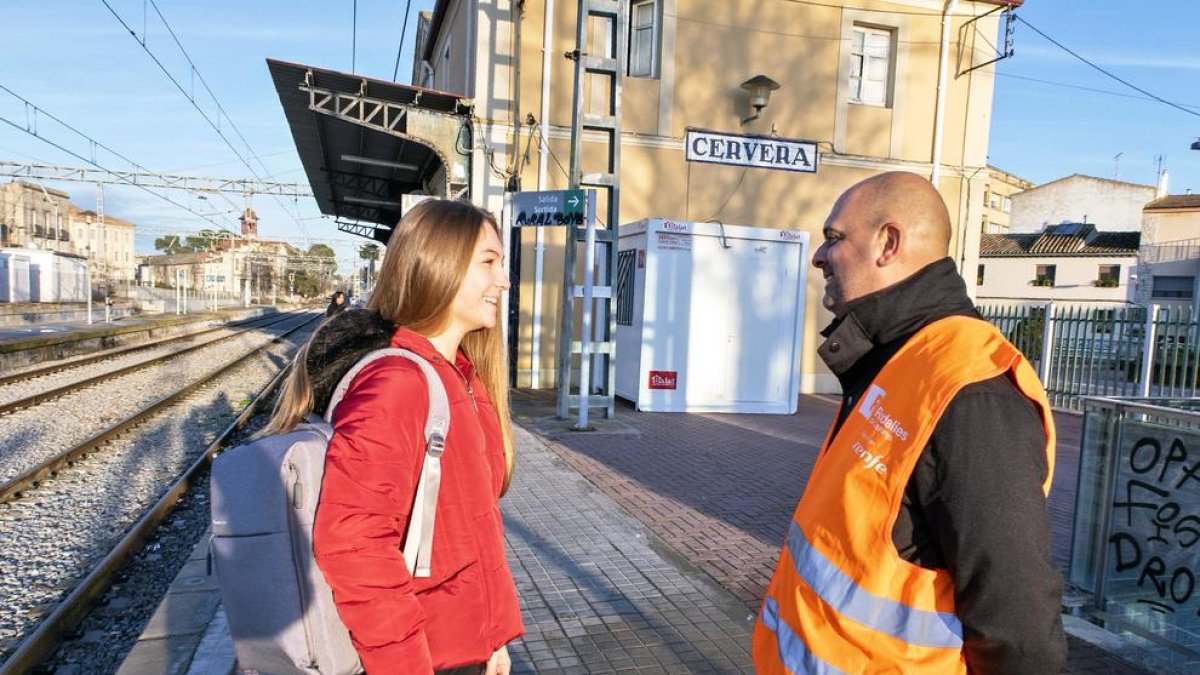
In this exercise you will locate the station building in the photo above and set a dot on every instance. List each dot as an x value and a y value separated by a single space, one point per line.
856 82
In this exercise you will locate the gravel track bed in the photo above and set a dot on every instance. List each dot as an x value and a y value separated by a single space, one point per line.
33 435
52 537
18 390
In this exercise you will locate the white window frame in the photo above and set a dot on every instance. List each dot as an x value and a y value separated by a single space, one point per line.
859 65
651 69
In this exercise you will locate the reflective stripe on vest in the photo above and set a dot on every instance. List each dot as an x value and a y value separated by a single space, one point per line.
792 650
915 626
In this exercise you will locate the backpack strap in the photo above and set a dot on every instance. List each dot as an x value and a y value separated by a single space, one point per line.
418 545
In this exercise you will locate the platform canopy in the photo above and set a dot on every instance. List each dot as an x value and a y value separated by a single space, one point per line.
366 143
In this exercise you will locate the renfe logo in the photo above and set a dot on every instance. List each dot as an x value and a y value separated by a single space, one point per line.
663 379
873 462
872 409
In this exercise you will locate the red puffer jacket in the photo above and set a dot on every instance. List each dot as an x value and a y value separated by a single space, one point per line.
467 608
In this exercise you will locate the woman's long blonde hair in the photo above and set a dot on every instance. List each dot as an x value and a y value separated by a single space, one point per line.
426 261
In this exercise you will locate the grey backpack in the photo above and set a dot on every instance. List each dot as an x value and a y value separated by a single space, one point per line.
264 500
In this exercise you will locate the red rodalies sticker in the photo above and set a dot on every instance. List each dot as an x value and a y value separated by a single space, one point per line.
663 379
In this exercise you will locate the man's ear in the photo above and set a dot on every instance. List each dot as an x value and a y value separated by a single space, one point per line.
890 238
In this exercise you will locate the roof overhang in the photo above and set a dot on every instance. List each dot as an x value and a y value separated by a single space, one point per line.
365 143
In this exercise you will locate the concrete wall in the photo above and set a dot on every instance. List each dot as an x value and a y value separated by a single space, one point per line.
1008 279
1174 225
1112 205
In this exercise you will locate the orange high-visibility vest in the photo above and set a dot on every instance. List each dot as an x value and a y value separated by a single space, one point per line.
842 600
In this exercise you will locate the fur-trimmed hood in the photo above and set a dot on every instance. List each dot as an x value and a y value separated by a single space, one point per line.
338 344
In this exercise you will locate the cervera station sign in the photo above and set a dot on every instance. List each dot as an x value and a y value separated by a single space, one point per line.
762 152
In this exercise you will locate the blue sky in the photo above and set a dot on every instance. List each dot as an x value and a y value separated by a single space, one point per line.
1045 131
76 61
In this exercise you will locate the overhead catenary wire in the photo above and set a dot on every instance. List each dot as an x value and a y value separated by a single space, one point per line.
1104 71
1108 92
403 32
191 99
31 129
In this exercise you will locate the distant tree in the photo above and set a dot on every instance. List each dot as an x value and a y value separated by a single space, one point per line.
369 252
324 259
204 240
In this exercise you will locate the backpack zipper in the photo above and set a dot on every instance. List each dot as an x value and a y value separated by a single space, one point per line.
300 583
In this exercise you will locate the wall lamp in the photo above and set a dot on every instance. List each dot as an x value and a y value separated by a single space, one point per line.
760 88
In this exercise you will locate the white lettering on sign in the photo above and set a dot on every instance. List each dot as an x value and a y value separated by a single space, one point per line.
753 151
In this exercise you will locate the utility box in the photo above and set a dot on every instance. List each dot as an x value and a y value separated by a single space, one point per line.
709 316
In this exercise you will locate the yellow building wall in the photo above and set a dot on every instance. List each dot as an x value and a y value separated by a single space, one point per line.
708 48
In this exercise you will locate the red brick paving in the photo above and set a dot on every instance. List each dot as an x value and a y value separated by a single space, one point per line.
720 489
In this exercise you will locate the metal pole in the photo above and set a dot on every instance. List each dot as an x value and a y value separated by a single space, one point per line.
1148 351
585 352
87 275
1047 344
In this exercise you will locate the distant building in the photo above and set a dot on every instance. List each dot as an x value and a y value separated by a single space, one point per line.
107 244
1071 262
997 199
236 266
1112 205
1169 269
35 217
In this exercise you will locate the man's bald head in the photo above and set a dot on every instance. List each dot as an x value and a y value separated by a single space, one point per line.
909 202
880 232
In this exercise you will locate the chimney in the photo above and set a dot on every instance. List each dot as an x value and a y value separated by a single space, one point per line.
1162 191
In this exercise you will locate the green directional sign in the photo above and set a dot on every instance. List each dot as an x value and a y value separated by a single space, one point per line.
549 207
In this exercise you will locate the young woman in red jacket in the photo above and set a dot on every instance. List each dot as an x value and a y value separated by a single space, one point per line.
437 294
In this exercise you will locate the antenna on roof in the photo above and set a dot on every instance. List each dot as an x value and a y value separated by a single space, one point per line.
1117 166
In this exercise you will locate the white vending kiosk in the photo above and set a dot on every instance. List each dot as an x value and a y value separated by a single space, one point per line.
710 316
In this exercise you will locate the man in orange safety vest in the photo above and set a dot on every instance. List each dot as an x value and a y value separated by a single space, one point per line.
922 541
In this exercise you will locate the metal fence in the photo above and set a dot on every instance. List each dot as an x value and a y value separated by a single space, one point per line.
1125 351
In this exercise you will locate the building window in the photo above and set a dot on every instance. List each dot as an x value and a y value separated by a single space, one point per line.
1108 276
643 38
626 262
1045 275
979 276
1173 287
994 202
870 65
1007 204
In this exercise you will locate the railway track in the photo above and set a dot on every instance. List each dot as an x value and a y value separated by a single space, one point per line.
74 383
114 480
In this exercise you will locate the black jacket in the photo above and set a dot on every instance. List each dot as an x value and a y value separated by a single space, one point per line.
974 504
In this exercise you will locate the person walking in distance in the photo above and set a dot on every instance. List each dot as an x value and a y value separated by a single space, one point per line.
922 541
337 302
437 295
